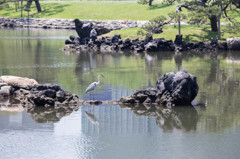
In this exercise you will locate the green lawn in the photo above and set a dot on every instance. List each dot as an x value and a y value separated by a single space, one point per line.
191 33
101 10
105 10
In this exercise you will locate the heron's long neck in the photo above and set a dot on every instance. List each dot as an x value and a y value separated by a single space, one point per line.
98 80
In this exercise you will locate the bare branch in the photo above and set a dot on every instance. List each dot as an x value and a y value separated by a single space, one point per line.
179 7
169 21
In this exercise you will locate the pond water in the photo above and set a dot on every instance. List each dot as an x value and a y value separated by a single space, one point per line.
211 129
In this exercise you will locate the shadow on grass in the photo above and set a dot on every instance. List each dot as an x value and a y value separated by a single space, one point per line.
205 36
47 10
158 6
7 9
50 10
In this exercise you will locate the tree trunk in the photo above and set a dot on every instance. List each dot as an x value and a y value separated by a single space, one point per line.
29 2
150 2
219 25
213 20
179 27
21 8
38 5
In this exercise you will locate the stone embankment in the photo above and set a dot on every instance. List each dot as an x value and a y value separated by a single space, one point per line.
67 23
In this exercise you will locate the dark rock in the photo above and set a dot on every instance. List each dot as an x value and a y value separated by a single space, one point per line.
72 37
178 39
76 40
101 30
4 24
174 88
147 39
50 93
116 38
135 41
222 46
60 96
214 42
120 42
177 88
93 102
151 46
41 87
11 25
67 42
126 44
93 35
165 45
78 25
233 43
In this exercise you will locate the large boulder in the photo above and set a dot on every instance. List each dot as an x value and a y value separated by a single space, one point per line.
5 91
178 39
233 43
177 88
101 30
18 82
174 88
83 29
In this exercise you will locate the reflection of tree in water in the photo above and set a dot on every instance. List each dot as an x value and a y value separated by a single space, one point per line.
220 92
45 115
181 118
153 61
178 61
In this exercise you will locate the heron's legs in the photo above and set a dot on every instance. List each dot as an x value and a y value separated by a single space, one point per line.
92 94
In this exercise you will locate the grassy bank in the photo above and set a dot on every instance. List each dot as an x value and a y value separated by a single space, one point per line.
191 33
101 10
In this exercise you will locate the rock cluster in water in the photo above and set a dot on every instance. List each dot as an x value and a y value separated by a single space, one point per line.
174 88
31 94
90 42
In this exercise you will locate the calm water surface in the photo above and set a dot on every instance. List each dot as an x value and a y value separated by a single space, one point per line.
209 130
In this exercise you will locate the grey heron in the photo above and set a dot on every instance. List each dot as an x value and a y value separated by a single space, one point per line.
92 86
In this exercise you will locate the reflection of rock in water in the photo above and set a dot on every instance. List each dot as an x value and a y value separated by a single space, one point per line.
233 57
10 105
182 118
50 114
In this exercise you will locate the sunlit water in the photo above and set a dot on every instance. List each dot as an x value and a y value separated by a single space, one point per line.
209 130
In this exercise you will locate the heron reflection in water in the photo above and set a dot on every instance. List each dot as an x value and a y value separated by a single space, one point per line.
92 86
91 117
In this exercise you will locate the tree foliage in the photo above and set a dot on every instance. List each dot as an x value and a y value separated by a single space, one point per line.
154 26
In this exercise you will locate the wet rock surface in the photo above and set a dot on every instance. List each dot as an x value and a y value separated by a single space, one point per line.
233 43
116 44
172 89
31 94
